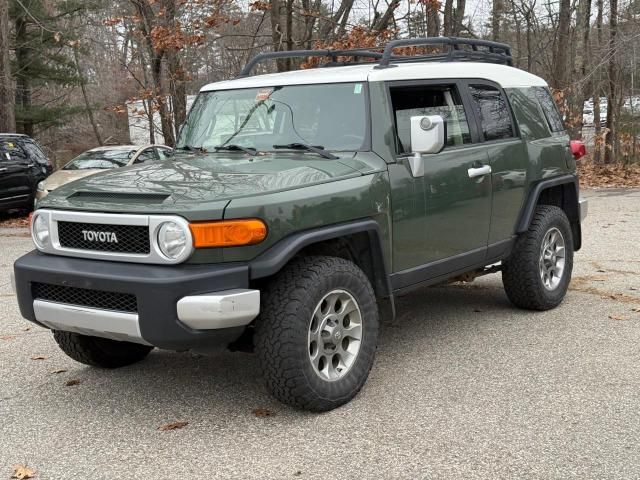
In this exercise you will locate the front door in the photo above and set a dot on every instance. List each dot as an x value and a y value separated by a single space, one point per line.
440 220
15 183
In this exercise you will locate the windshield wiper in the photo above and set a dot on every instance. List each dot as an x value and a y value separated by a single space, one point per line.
237 148
319 149
189 148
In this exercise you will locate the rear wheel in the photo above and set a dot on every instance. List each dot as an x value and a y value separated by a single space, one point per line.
537 273
317 332
100 352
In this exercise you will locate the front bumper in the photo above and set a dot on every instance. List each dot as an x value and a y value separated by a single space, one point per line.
178 307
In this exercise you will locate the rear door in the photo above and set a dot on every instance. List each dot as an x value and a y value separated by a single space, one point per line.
15 180
508 159
440 220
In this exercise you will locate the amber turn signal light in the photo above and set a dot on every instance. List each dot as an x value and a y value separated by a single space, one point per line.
228 233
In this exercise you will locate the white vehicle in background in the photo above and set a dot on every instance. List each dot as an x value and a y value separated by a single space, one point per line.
100 159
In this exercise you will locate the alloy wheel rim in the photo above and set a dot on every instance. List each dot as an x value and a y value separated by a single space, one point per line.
335 335
552 259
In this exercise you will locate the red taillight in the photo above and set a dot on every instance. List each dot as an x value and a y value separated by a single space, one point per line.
578 150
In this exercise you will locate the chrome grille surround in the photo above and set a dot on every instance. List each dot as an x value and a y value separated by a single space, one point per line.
152 222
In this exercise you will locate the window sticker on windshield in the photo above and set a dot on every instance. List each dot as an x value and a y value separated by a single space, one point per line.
263 94
357 89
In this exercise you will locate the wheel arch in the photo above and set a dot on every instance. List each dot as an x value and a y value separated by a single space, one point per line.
562 192
359 241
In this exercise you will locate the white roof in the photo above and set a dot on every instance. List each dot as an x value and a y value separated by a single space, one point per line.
507 77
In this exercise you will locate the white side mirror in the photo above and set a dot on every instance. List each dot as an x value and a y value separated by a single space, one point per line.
427 134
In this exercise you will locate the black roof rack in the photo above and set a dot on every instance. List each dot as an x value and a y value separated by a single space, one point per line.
460 49
332 54
491 52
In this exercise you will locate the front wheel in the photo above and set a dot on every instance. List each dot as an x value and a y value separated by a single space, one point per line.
537 273
317 332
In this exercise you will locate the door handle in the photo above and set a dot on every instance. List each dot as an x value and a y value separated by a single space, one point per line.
480 171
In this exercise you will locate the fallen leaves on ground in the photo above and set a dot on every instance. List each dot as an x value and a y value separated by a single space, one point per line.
173 426
59 370
14 222
612 175
39 357
22 472
71 383
263 412
618 317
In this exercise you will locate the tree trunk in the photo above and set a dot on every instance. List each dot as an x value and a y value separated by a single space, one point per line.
178 89
611 149
23 85
561 58
496 20
579 91
597 153
458 18
85 97
448 18
433 21
7 92
160 96
383 22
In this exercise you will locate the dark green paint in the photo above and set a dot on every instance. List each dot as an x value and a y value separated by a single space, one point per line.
422 220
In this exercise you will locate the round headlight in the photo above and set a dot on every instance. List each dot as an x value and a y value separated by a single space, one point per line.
40 186
40 230
172 239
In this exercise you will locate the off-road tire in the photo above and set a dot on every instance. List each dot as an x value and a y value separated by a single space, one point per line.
282 329
521 271
100 352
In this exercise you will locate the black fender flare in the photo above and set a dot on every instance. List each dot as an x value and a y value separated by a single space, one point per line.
272 260
570 205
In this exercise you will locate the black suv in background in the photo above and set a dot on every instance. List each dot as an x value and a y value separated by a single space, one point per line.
22 165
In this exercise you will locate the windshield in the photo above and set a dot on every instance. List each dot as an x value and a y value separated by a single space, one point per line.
102 159
330 116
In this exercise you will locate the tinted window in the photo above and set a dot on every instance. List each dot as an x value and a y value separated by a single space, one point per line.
550 109
34 152
429 100
11 150
493 111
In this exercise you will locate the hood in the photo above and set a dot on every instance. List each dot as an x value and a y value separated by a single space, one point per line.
196 182
62 177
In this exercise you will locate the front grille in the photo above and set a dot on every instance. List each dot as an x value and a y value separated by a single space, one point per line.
121 302
130 238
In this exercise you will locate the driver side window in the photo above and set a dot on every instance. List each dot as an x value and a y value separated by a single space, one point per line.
442 100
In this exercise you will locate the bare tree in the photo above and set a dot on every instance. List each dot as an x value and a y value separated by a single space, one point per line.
612 98
7 92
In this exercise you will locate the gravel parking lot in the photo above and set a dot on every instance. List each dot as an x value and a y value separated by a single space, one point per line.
464 386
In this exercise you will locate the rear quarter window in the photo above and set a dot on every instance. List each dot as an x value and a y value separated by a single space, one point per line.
549 108
493 112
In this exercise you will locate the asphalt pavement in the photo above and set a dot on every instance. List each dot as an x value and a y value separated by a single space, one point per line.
464 386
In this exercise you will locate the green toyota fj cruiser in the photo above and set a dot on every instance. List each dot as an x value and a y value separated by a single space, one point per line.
299 204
